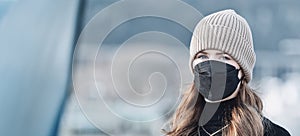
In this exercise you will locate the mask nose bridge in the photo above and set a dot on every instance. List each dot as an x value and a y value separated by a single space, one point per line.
214 58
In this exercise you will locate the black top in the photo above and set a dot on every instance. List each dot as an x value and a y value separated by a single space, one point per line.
217 122
272 129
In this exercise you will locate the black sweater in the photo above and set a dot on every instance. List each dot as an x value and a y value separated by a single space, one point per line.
224 109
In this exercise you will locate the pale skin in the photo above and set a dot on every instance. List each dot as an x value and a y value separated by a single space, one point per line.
217 55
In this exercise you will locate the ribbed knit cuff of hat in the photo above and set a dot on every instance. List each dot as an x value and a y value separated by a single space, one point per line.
228 32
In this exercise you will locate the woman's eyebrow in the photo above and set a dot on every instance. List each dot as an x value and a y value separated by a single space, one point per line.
221 53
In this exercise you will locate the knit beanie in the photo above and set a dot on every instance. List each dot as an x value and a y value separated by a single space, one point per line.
228 32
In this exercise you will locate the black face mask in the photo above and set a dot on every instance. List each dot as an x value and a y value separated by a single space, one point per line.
215 80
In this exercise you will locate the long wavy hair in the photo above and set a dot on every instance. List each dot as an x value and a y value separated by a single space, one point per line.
246 116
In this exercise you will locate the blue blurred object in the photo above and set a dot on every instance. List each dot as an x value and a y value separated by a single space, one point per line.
36 43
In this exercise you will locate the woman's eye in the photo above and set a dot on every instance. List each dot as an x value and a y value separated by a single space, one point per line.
225 58
202 57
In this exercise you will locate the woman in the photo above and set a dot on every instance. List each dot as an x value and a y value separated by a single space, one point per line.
220 101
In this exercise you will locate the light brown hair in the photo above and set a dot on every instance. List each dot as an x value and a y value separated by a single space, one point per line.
246 116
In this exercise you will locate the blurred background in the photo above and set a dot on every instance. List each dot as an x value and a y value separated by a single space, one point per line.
50 86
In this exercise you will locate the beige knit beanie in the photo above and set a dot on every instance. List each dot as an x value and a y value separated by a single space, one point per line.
228 32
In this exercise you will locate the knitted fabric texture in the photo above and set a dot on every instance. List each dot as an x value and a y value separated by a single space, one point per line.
228 32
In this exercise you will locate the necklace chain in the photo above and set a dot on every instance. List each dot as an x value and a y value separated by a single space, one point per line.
215 131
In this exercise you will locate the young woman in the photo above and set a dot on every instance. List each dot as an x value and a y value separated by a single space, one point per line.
220 101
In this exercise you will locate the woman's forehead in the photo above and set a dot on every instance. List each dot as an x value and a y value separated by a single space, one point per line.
211 51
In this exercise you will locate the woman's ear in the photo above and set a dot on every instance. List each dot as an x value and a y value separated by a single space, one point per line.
241 74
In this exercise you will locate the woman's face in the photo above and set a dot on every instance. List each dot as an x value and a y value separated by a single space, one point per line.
217 55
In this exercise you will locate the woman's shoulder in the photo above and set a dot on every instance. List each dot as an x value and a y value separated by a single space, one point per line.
272 129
